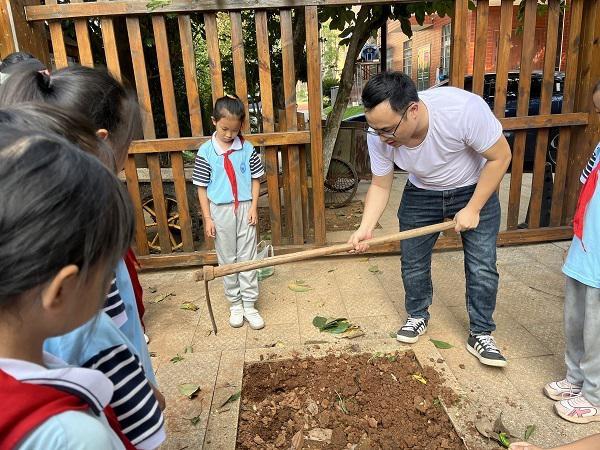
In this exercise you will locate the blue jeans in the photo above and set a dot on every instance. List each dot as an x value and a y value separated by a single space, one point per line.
421 207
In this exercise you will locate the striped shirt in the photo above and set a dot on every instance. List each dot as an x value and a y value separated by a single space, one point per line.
114 306
590 164
133 399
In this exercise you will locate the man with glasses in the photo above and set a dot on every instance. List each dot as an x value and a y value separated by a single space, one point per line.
454 151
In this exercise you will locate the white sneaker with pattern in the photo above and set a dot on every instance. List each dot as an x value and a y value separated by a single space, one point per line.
561 390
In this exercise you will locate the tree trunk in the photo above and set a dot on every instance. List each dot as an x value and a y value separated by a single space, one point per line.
360 35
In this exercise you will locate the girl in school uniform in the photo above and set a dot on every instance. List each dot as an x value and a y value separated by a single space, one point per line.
56 261
227 171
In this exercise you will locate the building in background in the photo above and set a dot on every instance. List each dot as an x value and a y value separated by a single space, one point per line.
426 55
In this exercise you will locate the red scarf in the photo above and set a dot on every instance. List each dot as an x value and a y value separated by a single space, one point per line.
230 171
33 404
587 192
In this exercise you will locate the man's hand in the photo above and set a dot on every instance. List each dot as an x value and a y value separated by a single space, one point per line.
209 227
466 219
357 237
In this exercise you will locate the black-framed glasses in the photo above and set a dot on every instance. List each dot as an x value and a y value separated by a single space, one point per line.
390 134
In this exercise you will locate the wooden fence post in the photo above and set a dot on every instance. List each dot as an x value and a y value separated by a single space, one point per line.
18 35
584 139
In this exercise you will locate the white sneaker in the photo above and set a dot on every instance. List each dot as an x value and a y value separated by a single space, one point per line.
577 410
236 317
561 390
254 319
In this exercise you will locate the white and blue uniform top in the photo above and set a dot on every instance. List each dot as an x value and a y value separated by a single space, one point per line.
209 170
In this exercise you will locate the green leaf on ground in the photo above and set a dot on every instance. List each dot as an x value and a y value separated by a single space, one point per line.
393 334
529 431
420 378
441 344
189 306
374 269
338 328
190 390
176 359
188 349
299 286
504 440
319 322
232 398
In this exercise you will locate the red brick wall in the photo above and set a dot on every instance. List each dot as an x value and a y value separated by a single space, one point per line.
432 36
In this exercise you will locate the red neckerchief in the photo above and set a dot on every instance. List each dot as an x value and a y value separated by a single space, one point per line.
587 192
230 171
33 404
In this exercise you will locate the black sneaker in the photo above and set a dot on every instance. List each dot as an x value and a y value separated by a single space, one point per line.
484 348
412 329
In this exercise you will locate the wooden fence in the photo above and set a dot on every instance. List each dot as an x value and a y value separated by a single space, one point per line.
294 176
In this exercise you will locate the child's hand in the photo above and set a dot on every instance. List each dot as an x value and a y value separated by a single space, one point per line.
253 216
209 227
523 446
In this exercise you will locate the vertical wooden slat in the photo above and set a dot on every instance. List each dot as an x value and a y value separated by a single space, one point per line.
518 154
459 44
313 56
266 98
189 69
83 40
58 41
286 225
239 63
141 82
289 90
168 95
304 178
110 48
481 34
539 166
214 57
562 160
584 139
503 55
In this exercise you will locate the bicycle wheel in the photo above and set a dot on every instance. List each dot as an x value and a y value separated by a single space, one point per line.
341 183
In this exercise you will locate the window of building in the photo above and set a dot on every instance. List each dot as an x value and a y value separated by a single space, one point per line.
445 52
407 58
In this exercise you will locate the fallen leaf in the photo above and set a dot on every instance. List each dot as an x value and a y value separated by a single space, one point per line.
258 440
188 349
232 398
280 440
162 297
312 408
331 270
441 344
374 269
297 441
176 359
299 286
279 344
529 431
152 289
352 332
190 390
319 322
195 420
393 334
420 378
189 306
504 440
372 422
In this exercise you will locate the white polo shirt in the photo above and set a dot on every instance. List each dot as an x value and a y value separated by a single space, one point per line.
461 127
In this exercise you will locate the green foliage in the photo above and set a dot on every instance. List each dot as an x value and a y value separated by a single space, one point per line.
329 82
155 4
542 9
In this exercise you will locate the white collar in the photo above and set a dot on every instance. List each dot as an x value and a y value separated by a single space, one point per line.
235 145
90 385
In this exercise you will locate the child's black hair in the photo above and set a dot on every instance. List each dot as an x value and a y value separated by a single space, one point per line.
229 104
396 87
20 61
39 116
60 206
92 94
